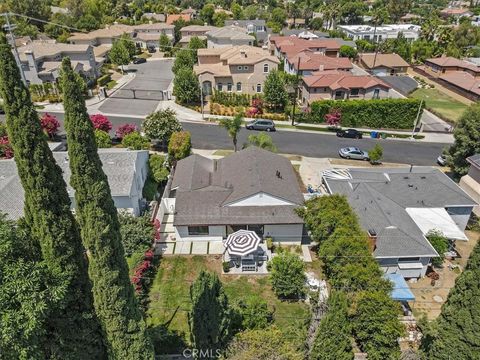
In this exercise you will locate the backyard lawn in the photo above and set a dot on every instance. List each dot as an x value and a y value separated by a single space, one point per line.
440 103
170 301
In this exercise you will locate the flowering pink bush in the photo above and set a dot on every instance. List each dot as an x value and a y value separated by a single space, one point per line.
125 129
156 226
141 271
101 122
6 150
334 117
49 125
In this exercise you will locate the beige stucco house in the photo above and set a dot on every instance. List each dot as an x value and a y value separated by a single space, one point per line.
228 36
340 85
239 69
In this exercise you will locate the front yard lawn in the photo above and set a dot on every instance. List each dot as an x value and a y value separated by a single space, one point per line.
440 103
170 299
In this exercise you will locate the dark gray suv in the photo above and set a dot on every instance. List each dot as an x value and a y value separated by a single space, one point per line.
266 125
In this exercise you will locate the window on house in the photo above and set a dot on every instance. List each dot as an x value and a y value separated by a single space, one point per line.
198 230
239 86
219 86
409 259
376 93
259 88
265 68
338 94
229 87
354 92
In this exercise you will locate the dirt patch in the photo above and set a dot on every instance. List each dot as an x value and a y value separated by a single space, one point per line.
430 298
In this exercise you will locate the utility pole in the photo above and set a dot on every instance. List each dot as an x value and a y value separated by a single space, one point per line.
296 92
9 28
415 122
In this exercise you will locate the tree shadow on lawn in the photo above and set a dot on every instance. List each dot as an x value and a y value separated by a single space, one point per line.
166 341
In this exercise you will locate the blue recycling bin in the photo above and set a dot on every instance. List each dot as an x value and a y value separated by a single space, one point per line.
374 134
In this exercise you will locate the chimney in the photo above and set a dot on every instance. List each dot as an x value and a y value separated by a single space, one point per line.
243 53
321 68
372 239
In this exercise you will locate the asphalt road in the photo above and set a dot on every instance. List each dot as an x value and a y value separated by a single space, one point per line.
141 95
207 136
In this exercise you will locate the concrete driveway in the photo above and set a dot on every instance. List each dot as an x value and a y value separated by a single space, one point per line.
142 95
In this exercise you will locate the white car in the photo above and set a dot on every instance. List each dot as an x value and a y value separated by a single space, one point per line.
442 160
353 153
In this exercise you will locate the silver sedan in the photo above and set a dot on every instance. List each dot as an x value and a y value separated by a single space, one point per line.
353 153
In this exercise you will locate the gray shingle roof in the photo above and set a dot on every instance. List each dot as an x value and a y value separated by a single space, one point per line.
119 166
380 197
206 187
474 160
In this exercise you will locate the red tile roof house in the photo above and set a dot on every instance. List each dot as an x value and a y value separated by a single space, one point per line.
306 62
337 85
283 46
457 75
456 13
174 17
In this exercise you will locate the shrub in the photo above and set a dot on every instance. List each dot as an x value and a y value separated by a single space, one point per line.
137 232
269 242
375 154
287 275
135 141
103 139
6 150
49 125
334 117
101 122
254 313
125 129
226 266
375 114
179 146
440 244
158 168
104 80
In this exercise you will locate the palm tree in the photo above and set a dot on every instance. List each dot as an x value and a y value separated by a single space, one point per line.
233 127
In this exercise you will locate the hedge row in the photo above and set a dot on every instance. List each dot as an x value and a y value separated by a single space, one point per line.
375 114
104 80
232 99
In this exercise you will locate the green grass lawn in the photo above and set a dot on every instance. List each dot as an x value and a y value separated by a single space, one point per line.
170 301
440 103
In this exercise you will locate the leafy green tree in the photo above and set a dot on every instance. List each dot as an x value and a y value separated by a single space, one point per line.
233 127
160 125
454 334
275 93
114 299
288 275
178 24
72 328
254 313
348 51
263 344
439 243
102 139
194 44
137 232
375 154
219 18
467 140
186 87
251 12
118 54
333 341
179 145
135 141
26 297
263 141
209 318
164 43
376 326
158 169
207 13
184 59
237 11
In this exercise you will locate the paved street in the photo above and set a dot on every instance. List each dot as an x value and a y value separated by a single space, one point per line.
141 95
207 136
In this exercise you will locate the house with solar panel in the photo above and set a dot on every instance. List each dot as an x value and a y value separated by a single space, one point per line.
252 189
398 207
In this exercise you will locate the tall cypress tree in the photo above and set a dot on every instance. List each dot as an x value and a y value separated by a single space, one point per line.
114 298
73 331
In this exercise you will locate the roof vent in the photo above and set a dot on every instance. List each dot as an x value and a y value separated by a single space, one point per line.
423 177
278 175
410 185
406 177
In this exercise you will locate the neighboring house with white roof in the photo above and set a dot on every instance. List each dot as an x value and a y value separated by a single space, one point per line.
369 32
252 189
41 60
228 36
398 207
239 69
126 172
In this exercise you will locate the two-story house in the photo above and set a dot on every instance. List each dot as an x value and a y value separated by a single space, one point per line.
258 28
306 62
240 69
340 85
288 46
41 60
228 36
190 31
379 33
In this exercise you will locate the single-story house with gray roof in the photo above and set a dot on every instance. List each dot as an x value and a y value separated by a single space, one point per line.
471 181
398 207
251 189
126 172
